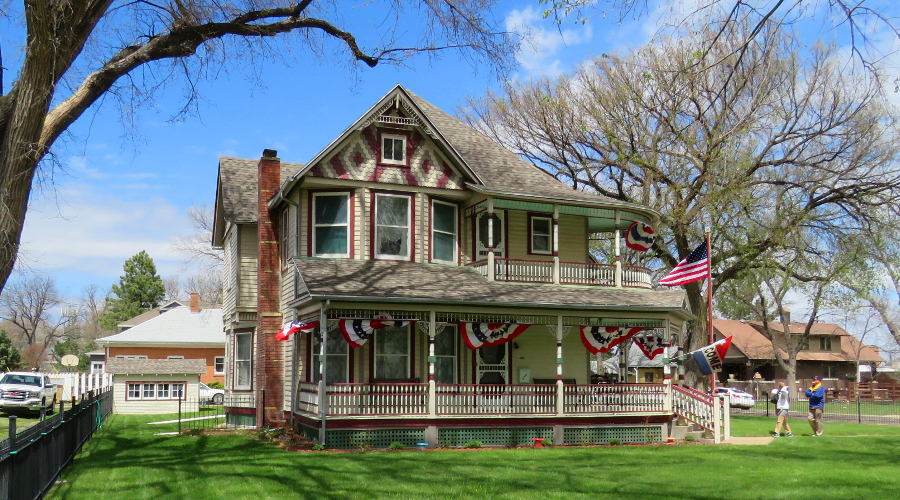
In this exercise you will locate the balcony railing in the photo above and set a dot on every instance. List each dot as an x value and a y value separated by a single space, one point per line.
570 273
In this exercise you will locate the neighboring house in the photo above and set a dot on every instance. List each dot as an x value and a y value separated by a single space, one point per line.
146 315
639 369
96 361
412 215
831 352
179 332
142 385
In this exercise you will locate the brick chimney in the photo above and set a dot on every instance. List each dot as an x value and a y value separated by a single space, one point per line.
195 302
270 365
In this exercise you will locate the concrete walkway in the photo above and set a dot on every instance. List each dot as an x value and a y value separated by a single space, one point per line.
751 440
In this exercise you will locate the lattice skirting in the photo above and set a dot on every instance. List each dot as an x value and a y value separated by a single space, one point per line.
453 437
348 439
604 435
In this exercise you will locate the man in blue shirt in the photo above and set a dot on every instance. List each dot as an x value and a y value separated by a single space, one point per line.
816 395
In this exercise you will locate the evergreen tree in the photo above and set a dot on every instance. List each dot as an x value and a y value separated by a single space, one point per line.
139 289
9 355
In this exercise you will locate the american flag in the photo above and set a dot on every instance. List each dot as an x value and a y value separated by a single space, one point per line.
692 268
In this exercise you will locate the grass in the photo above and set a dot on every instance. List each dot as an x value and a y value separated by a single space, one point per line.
127 461
22 422
865 408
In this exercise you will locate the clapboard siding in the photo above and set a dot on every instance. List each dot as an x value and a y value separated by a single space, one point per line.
229 284
120 391
248 265
288 313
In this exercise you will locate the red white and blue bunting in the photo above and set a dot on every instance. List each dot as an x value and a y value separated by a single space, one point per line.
358 331
292 327
478 335
603 338
651 345
639 236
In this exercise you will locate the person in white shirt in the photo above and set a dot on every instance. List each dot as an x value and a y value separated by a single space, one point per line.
782 407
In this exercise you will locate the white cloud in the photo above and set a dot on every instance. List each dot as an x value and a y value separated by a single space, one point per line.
540 46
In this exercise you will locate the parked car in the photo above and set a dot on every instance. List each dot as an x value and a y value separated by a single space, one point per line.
26 391
737 398
209 395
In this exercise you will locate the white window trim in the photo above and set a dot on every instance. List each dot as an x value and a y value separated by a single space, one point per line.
455 207
285 236
390 161
409 210
215 362
147 398
170 397
549 235
315 224
237 372
409 348
131 356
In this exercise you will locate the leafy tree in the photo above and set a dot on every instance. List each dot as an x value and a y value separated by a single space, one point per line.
9 355
78 53
139 289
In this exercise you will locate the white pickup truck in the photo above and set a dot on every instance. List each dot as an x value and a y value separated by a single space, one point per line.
27 391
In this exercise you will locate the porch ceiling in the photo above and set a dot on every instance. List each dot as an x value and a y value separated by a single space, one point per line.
413 282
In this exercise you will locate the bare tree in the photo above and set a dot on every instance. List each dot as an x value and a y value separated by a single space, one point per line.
135 48
197 247
31 305
794 154
93 301
173 289
208 285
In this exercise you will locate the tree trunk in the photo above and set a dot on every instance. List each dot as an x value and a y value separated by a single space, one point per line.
791 370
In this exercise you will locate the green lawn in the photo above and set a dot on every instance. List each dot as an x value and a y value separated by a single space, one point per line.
865 408
126 461
22 422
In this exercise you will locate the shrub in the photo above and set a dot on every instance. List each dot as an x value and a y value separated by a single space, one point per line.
216 385
396 445
472 444
548 442
615 442
689 437
318 447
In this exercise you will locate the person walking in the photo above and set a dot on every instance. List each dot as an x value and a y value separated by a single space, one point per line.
816 396
782 396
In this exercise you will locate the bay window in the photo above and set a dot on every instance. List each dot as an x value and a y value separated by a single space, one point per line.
443 232
331 224
392 226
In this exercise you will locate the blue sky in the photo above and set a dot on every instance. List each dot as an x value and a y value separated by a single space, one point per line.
124 186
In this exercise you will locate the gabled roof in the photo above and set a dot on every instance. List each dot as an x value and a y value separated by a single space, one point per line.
155 366
236 187
178 326
152 313
415 282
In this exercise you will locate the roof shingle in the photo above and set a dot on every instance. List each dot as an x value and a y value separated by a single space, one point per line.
238 180
155 366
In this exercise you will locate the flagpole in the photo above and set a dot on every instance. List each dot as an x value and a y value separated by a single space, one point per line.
709 304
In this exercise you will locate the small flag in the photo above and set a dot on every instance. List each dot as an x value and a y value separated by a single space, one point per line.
358 331
603 338
478 335
292 327
692 268
651 345
709 359
639 236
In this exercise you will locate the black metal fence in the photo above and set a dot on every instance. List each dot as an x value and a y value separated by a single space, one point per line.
856 410
32 458
231 412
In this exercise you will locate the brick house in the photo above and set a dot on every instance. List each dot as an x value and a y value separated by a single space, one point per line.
451 284
177 332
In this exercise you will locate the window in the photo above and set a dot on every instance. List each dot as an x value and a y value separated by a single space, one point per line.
134 391
219 365
162 391
497 232
443 232
243 357
393 149
392 353
130 356
175 357
177 391
392 226
149 391
336 358
445 355
155 390
331 226
825 343
541 230
96 366
285 236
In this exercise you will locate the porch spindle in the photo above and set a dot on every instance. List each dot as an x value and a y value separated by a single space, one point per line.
560 388
555 249
432 393
490 239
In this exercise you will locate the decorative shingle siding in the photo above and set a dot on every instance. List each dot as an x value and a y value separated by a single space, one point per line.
358 159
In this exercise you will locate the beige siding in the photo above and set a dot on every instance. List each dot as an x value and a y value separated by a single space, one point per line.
361 230
229 360
120 391
287 313
572 238
537 353
249 247
230 268
302 226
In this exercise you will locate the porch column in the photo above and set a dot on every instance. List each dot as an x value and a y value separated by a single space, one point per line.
667 381
491 274
432 392
555 243
618 254
323 395
560 388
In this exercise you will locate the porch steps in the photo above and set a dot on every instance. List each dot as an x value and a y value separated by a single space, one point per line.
679 432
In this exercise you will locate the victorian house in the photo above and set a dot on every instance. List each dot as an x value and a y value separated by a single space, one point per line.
442 290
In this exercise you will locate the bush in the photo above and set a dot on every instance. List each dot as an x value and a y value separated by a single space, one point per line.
318 447
689 437
472 444
216 385
614 442
548 442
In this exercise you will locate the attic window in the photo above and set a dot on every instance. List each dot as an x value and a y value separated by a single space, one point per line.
393 149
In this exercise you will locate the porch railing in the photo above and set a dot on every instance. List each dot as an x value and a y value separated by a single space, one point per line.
308 398
614 398
377 399
636 277
587 273
531 271
488 399
570 273
695 406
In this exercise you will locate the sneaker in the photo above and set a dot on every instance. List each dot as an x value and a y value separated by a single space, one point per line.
774 435
789 434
